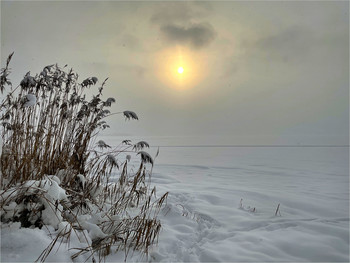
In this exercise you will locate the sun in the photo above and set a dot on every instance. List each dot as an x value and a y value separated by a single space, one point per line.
180 68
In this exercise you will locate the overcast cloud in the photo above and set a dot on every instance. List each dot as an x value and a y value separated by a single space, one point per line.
278 71
196 35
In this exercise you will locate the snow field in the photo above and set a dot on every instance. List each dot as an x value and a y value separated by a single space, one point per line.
205 219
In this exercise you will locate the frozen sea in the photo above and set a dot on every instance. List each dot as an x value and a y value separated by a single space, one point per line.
223 201
222 205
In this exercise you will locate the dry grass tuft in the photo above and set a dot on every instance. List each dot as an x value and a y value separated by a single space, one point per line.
50 165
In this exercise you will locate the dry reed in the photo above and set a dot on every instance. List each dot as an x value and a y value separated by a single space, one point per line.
48 128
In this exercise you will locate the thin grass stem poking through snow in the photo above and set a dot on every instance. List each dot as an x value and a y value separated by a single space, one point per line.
278 212
53 172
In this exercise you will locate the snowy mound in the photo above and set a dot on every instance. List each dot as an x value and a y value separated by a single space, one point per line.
85 220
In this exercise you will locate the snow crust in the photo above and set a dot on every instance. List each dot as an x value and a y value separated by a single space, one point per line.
221 207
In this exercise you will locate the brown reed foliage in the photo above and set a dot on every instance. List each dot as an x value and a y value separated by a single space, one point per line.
49 127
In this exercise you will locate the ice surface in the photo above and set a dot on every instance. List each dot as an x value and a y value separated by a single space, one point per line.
205 219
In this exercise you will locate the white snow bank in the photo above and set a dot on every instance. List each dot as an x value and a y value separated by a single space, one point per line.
25 245
203 219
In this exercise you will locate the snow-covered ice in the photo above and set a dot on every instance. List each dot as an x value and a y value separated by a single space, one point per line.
205 221
222 204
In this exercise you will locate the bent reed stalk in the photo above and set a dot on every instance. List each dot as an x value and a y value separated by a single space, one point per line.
48 128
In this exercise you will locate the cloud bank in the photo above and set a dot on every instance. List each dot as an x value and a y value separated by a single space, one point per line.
185 24
196 35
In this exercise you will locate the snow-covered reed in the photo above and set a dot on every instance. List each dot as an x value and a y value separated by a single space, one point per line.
54 174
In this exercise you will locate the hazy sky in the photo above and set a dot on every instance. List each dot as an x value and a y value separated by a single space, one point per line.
254 72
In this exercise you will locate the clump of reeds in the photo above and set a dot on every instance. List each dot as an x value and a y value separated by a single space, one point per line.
48 130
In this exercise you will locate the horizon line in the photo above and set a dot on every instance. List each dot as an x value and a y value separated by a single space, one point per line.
251 145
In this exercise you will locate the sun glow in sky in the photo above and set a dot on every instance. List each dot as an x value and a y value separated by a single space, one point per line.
180 68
